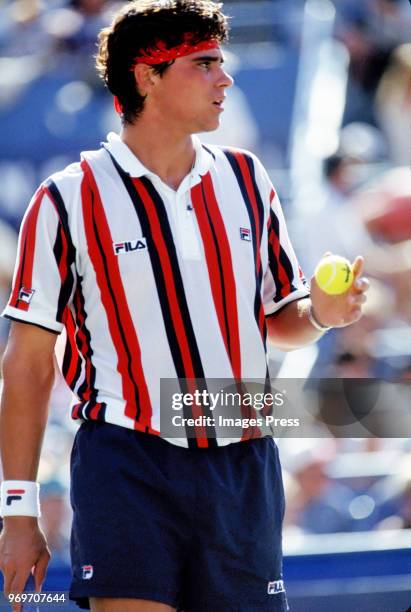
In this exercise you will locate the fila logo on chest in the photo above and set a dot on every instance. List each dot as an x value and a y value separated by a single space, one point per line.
245 234
129 246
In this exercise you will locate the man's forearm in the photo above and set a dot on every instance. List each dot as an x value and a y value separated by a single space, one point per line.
291 327
23 414
28 373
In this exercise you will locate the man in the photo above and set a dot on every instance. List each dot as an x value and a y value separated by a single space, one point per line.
161 259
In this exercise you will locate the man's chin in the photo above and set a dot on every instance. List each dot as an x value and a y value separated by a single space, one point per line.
211 127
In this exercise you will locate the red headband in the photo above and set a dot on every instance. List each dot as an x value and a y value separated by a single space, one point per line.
160 53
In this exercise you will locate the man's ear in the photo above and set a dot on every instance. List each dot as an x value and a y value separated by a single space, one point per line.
145 78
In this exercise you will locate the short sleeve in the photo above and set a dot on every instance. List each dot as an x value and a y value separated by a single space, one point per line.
44 272
284 280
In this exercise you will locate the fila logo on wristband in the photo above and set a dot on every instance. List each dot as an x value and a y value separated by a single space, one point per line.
14 495
20 498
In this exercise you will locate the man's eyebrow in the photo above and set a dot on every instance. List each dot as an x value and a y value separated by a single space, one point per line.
209 58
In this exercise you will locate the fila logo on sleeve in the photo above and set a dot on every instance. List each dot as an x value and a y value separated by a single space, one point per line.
25 295
245 234
14 495
276 586
128 246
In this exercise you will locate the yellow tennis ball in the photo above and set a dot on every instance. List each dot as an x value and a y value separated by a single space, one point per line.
334 274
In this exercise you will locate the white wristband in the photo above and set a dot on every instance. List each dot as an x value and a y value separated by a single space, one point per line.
315 322
20 498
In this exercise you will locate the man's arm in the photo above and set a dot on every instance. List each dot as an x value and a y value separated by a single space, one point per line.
28 373
291 328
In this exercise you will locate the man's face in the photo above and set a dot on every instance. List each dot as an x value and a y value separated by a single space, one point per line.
191 92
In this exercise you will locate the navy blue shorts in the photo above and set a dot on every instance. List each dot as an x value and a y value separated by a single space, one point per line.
197 529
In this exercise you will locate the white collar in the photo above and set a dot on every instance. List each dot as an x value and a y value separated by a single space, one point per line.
132 165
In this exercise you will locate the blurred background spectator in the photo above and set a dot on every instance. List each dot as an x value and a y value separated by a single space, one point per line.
55 521
8 252
323 96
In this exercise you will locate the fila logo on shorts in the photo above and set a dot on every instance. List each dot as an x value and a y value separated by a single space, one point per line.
245 234
87 571
25 295
276 586
129 245
14 495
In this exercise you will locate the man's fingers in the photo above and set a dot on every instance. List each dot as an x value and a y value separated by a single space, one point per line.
358 266
19 581
361 284
40 569
8 575
357 299
17 586
355 315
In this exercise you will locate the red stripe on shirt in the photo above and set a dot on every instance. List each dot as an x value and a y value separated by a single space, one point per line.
62 264
129 361
95 411
63 260
245 171
228 274
27 247
274 243
70 326
214 274
83 345
75 411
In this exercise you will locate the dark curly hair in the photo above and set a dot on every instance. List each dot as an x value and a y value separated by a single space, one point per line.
139 25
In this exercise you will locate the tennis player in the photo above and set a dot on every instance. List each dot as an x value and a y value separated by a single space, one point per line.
161 258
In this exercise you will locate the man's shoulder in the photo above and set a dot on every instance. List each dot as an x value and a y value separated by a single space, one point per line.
223 150
240 160
68 180
70 174
234 155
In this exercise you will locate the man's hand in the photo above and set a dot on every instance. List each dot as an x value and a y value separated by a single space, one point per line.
341 310
23 549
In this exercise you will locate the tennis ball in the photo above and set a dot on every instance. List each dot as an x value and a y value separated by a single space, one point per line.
334 274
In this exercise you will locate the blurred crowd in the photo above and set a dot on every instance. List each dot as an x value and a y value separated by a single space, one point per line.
366 195
52 106
350 485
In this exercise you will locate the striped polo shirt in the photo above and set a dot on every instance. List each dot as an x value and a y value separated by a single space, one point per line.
152 283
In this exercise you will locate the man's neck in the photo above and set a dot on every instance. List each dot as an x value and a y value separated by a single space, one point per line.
169 155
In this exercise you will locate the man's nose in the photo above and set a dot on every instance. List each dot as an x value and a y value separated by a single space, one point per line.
225 80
